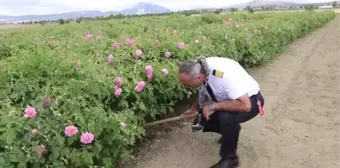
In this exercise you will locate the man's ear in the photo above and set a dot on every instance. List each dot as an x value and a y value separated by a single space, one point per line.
201 76
245 100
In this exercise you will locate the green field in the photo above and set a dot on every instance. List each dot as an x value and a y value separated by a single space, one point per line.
69 78
336 10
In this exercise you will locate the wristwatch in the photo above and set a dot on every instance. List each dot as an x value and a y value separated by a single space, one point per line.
212 107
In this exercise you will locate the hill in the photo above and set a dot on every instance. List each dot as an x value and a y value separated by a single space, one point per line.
145 8
139 7
259 3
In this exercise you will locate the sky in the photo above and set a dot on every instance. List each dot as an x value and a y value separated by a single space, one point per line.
40 7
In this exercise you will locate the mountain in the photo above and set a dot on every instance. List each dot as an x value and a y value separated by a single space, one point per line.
265 3
259 3
139 7
147 7
69 15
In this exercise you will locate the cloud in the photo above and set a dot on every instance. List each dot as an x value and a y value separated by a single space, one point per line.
24 7
29 7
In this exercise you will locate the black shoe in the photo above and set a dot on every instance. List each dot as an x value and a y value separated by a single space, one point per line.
227 163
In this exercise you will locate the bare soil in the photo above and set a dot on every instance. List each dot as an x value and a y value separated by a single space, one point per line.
300 128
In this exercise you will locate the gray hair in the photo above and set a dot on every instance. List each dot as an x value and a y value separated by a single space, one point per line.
194 68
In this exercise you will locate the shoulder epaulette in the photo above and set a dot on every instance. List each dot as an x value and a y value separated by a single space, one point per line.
217 73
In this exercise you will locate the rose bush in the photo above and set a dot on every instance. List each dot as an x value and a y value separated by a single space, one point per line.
77 95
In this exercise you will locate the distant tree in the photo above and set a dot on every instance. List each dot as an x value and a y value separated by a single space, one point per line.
250 10
334 4
310 7
42 22
119 16
233 9
78 20
61 21
218 11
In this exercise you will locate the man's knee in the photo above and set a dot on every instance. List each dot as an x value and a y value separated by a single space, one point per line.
225 117
227 121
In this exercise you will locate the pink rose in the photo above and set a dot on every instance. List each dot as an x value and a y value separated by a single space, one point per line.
165 71
110 59
139 52
123 124
87 138
118 91
180 45
140 86
34 131
30 112
167 54
119 81
115 44
41 150
71 130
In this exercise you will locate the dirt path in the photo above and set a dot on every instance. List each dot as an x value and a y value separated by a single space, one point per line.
300 128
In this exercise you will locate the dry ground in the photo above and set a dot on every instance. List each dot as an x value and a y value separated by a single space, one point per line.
300 128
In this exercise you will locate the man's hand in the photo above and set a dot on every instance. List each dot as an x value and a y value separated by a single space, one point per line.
206 111
189 111
192 109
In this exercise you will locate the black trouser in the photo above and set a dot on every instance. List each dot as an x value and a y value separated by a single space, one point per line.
228 124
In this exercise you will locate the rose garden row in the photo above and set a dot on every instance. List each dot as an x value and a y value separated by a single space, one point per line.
76 96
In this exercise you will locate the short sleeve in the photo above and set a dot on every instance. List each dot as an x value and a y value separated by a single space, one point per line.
228 80
236 91
235 86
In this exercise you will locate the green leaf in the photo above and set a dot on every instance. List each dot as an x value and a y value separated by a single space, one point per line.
55 153
66 153
22 164
142 106
57 163
108 162
2 161
59 139
27 138
99 147
81 119
87 157
3 129
14 157
10 137
14 95
70 141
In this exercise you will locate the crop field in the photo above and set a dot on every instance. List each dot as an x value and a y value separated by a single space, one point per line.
78 95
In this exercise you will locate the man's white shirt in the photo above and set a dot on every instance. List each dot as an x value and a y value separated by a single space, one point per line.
229 80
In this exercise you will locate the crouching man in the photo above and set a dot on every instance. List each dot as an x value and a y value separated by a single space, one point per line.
236 99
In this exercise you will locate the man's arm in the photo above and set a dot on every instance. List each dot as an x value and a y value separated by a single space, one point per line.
241 104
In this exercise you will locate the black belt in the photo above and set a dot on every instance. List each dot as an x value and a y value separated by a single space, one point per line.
258 96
